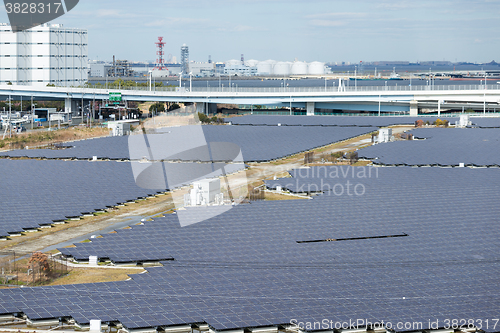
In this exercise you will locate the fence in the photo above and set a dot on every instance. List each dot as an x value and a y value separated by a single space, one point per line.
30 269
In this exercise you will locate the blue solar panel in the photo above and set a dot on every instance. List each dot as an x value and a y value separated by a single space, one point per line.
41 192
270 120
244 267
440 146
259 143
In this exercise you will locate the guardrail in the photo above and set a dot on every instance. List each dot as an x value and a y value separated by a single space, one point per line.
330 89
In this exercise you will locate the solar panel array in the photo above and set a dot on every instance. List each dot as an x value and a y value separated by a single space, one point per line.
376 121
244 268
442 146
41 192
493 122
257 143
115 148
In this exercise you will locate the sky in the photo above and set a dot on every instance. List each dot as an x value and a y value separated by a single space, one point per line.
285 30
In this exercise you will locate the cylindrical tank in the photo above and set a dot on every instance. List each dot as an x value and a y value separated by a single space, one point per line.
265 67
282 68
233 62
251 63
316 68
299 68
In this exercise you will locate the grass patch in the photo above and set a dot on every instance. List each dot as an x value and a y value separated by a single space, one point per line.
94 275
44 137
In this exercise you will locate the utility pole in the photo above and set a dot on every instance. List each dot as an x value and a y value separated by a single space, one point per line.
10 113
32 112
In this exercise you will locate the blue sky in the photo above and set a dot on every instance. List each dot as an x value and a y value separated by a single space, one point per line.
368 30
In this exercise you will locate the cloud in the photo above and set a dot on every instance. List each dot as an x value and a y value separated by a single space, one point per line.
334 19
327 23
346 15
108 13
168 21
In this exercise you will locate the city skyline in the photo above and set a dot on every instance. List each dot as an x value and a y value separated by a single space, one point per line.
328 31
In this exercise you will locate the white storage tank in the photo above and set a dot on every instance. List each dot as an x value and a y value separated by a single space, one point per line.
265 67
251 63
233 63
299 68
316 68
282 68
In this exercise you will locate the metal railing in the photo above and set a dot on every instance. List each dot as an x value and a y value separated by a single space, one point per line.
329 89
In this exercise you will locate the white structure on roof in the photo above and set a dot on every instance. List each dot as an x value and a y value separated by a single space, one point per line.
46 54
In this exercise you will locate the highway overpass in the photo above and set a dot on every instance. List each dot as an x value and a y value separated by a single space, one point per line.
367 98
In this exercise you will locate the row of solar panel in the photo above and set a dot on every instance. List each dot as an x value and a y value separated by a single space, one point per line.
441 146
62 189
375 121
256 144
250 255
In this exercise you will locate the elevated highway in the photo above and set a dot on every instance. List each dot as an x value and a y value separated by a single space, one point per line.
368 98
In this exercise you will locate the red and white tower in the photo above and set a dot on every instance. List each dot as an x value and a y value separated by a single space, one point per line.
160 62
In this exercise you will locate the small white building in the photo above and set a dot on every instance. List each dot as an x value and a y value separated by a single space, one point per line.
384 135
204 192
119 128
464 121
45 54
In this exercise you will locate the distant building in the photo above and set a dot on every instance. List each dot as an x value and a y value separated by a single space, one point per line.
239 70
46 54
99 69
185 59
202 68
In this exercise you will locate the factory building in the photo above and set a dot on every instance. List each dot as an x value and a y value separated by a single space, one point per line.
46 54
203 69
99 68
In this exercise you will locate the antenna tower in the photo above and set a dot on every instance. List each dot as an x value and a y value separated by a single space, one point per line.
160 62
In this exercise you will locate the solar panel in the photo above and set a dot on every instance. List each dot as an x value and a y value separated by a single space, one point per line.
318 120
260 143
245 268
62 189
441 147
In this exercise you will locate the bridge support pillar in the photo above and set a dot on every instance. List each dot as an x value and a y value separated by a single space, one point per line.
70 106
439 108
206 108
413 108
310 108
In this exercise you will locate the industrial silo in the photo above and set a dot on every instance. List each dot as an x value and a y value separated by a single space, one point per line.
282 68
265 67
316 68
299 68
251 63
233 63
